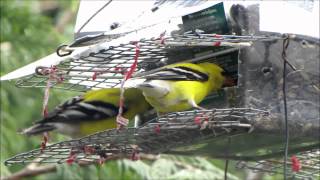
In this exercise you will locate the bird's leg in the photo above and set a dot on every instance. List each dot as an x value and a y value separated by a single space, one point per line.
204 123
195 105
199 107
137 121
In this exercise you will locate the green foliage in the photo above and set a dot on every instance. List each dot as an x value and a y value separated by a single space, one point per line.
25 37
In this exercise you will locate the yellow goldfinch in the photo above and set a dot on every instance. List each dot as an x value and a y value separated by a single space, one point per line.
94 111
180 86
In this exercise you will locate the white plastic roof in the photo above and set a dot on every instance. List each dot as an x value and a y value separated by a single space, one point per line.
294 16
137 17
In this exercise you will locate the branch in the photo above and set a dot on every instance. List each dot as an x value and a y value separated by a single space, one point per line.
35 169
31 170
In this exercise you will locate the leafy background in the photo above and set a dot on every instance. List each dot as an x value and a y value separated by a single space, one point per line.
33 29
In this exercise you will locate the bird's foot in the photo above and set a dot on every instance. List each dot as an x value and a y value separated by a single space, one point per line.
201 108
195 105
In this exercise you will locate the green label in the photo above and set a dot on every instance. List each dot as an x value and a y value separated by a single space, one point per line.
210 20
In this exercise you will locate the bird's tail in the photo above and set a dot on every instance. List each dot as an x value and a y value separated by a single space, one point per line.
37 129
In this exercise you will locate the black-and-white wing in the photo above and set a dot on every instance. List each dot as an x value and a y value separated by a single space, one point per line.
73 111
77 110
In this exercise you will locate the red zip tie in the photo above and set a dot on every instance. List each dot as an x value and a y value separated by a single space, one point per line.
46 99
135 156
71 158
121 121
120 70
157 128
296 165
94 76
202 124
133 67
44 141
121 102
88 150
197 120
217 36
218 43
162 37
51 72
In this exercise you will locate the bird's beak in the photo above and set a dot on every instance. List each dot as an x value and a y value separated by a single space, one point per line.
229 82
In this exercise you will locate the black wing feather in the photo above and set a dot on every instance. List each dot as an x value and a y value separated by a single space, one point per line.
179 73
78 110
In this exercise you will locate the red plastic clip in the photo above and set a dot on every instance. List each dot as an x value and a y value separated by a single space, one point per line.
52 76
120 70
217 36
121 121
197 120
133 67
162 37
71 158
88 150
157 128
94 76
296 165
135 156
44 142
218 43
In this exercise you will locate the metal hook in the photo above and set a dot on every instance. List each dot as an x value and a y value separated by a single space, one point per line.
41 70
62 50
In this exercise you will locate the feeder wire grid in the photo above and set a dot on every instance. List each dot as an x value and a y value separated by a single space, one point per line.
309 161
158 136
106 68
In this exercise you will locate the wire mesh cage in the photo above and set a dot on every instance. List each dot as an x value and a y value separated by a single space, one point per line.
158 136
307 168
257 69
177 129
105 68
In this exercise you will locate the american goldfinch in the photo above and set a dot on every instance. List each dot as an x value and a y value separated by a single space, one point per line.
94 111
180 86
